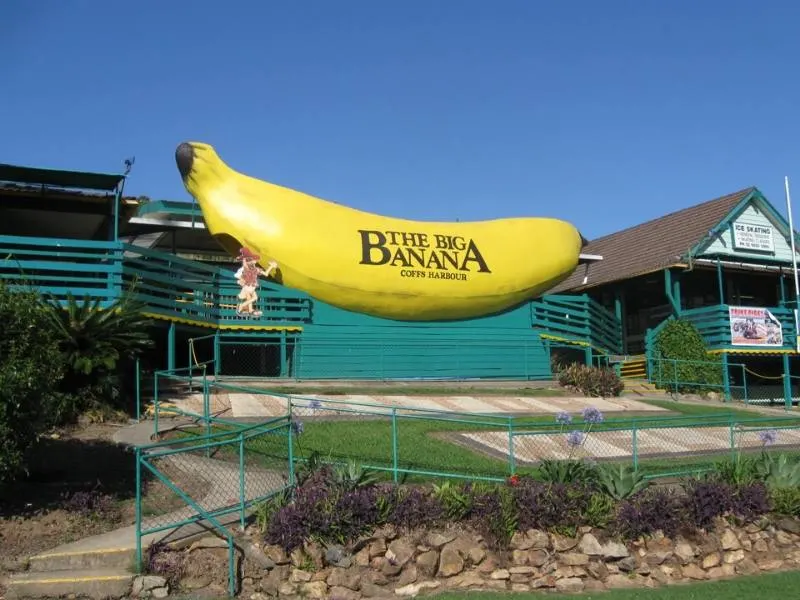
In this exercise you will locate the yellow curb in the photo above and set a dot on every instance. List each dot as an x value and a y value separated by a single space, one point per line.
71 579
80 553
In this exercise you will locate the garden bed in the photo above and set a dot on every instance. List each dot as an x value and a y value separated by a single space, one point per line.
579 527
80 483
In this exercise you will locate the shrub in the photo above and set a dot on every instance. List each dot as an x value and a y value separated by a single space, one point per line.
96 344
694 368
30 372
708 500
595 382
329 508
786 501
415 507
654 509
567 471
621 482
551 505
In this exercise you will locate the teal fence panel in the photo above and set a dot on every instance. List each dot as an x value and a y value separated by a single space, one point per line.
170 287
658 446
210 479
431 356
577 318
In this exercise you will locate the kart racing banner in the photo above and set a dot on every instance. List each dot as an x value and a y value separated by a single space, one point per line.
752 326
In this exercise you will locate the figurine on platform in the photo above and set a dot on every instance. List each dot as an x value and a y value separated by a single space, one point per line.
247 277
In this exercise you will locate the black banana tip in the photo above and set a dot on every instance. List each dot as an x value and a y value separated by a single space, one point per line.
184 157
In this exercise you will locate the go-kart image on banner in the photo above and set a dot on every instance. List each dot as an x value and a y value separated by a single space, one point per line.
753 326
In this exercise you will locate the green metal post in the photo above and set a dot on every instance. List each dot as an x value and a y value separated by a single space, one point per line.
395 448
783 290
675 373
117 195
171 347
291 450
216 353
744 385
733 437
719 283
676 309
512 463
587 352
284 363
137 375
620 321
676 292
242 498
138 510
189 363
206 402
726 379
787 382
155 405
635 445
231 570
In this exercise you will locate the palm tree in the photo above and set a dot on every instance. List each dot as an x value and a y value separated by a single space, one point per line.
95 342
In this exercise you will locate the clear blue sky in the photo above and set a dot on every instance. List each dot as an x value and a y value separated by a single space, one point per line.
604 113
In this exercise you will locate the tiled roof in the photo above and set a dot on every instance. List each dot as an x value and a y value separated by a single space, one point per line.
651 246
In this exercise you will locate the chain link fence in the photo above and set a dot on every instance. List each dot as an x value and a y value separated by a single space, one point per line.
402 439
661 446
197 477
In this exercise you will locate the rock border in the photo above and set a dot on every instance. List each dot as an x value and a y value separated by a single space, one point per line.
396 564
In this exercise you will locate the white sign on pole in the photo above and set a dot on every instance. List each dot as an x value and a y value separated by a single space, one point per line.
753 237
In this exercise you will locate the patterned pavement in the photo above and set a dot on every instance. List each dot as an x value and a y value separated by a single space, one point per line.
265 405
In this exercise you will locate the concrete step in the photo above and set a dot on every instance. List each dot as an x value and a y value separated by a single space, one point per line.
111 558
92 583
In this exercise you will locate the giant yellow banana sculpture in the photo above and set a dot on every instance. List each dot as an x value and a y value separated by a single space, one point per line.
381 266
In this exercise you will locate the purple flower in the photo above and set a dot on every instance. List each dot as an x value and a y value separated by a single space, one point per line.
298 427
314 404
563 418
575 438
768 437
592 415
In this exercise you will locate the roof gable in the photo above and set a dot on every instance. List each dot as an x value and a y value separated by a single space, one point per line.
656 244
754 230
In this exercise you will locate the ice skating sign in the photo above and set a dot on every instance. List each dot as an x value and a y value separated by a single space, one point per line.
749 236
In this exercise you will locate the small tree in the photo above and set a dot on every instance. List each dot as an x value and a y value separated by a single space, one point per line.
31 368
96 343
686 360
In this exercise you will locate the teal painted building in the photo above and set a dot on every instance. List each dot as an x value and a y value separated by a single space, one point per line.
67 232
717 264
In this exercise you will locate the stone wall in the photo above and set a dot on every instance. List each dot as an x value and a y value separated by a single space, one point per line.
389 564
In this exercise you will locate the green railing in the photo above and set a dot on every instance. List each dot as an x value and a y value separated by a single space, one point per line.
170 287
211 476
579 319
244 464
698 376
62 266
409 439
659 446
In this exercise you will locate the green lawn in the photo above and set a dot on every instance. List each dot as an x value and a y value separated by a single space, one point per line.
775 586
423 444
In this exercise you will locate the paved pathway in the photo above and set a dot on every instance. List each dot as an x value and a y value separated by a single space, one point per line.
222 491
266 405
650 443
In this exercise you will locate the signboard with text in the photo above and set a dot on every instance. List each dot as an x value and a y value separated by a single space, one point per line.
747 236
753 326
